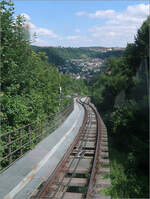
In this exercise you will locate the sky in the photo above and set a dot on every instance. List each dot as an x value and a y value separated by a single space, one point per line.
82 23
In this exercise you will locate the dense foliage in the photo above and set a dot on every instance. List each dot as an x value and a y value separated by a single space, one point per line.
121 95
29 85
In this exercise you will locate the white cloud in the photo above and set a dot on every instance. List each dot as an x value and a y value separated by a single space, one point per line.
140 10
135 11
45 31
112 33
81 13
132 15
115 28
30 25
121 26
77 30
37 30
38 40
97 14
26 16
102 14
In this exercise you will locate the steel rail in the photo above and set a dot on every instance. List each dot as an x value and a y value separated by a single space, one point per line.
86 127
61 164
96 161
84 145
68 170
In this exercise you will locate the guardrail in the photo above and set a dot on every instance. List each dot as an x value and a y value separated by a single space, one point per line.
16 143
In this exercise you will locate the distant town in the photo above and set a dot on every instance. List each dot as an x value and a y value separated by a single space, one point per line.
79 62
82 68
85 68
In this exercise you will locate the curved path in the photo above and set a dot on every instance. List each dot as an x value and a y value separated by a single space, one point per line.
81 173
25 175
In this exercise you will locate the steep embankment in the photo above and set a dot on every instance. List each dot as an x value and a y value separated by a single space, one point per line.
121 95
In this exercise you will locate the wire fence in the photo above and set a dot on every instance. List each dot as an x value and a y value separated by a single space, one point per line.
16 143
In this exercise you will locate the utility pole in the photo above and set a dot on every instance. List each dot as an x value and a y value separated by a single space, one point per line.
59 106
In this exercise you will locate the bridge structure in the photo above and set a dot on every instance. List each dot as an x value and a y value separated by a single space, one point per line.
69 160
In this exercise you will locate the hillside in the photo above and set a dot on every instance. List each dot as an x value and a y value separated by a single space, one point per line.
121 95
78 62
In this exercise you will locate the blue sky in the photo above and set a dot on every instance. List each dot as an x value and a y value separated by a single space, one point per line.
83 23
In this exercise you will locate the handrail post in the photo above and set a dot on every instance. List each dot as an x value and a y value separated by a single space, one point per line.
60 121
47 126
29 135
37 132
9 148
20 134
42 133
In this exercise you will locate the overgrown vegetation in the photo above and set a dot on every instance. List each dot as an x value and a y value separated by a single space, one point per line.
121 95
30 86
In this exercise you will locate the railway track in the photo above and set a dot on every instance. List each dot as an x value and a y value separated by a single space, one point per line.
75 176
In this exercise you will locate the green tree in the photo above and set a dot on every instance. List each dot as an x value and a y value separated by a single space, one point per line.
127 122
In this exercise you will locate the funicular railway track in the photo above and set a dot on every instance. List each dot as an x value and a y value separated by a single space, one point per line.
74 177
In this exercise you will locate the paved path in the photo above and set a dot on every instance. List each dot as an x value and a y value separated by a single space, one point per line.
25 175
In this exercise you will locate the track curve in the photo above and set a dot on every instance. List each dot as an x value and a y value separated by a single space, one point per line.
75 176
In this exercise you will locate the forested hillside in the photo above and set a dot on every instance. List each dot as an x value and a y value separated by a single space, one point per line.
29 84
121 95
58 56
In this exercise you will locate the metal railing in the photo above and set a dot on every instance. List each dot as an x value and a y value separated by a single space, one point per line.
16 143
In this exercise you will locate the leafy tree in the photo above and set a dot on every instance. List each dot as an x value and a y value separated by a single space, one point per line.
127 122
29 84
